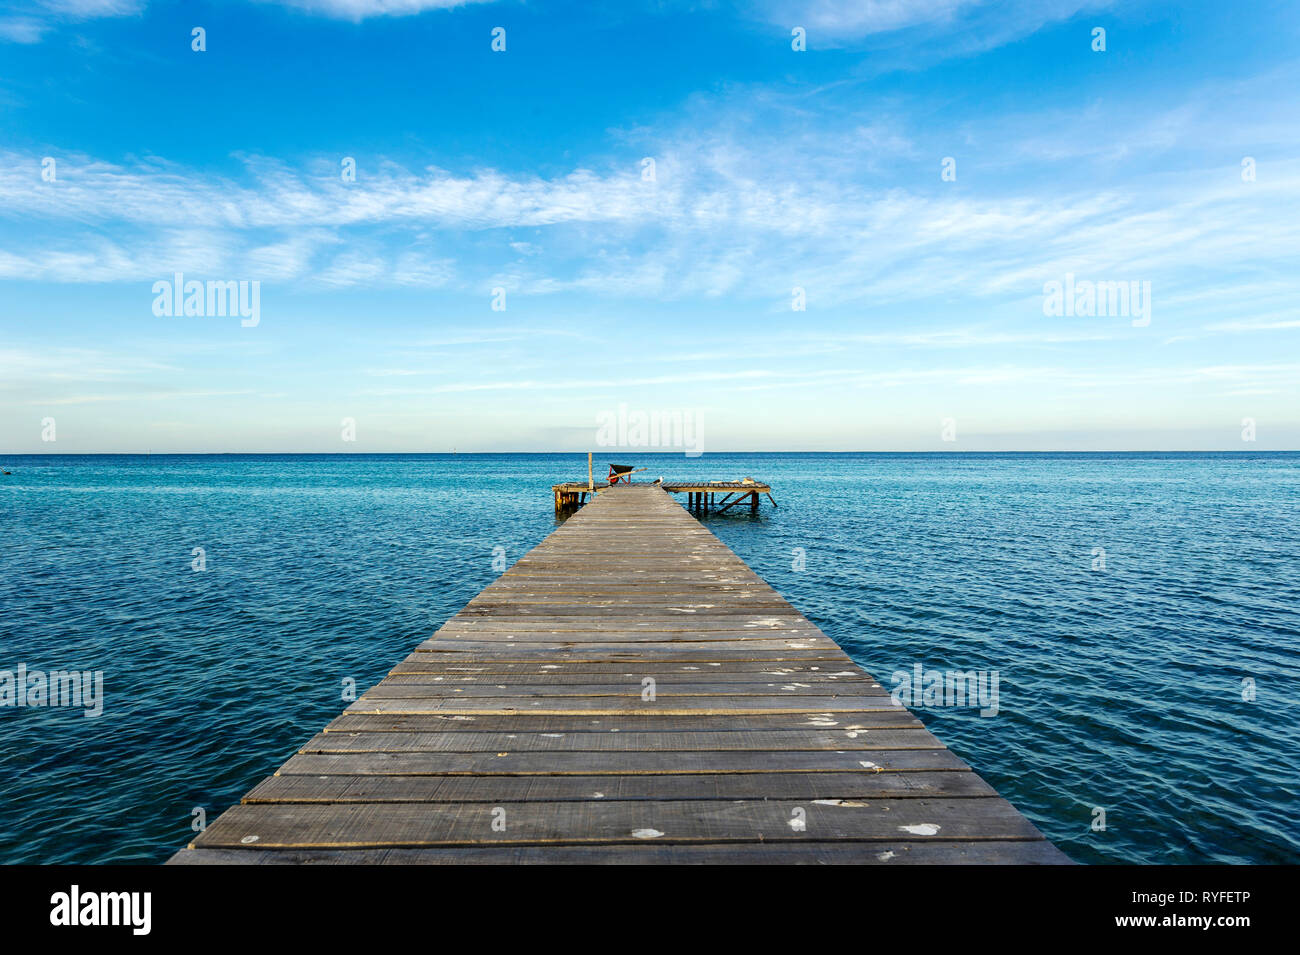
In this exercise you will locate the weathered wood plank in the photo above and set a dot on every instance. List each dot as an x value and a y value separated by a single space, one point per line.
860 739
522 673
372 825
416 688
433 685
457 789
617 706
895 718
732 853
684 762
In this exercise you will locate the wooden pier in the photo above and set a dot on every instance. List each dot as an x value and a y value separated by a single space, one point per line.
628 691
701 496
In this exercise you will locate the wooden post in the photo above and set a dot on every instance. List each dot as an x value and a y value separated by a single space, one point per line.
753 503
591 477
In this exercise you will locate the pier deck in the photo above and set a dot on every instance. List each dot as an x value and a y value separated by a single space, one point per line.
527 730
703 496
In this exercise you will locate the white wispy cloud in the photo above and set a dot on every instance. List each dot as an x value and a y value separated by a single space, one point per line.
937 27
706 228
75 364
740 211
1255 326
22 29
863 17
1247 376
168 395
39 17
85 9
361 9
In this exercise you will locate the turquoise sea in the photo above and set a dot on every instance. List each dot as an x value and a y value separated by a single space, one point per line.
1121 687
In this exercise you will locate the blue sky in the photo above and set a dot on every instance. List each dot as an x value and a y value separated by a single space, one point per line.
523 170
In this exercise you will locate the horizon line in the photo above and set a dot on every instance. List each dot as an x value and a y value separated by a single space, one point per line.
449 454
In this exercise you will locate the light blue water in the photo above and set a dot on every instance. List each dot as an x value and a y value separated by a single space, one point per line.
1119 688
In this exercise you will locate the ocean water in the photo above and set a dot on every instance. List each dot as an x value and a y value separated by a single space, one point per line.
1120 687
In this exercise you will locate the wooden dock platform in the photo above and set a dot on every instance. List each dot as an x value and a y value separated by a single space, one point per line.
702 496
628 691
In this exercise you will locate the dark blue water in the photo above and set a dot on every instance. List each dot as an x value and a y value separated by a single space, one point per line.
1120 688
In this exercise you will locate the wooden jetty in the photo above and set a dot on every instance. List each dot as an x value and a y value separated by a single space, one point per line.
628 691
